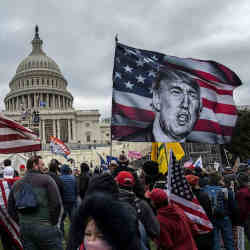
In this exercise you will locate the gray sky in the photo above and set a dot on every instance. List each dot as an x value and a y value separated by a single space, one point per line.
79 36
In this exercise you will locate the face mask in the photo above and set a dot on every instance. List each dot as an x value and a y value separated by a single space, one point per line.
98 244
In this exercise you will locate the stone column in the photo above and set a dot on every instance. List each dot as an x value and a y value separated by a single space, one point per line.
17 104
29 101
44 135
69 131
74 129
53 101
54 127
47 100
58 128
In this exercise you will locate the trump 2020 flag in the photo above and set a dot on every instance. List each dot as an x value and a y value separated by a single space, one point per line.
163 98
58 147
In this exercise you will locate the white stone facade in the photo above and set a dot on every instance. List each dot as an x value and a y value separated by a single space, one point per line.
39 86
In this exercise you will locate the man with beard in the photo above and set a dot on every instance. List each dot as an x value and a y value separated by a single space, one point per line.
177 102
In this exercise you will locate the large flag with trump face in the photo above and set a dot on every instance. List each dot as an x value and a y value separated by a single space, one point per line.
133 110
14 138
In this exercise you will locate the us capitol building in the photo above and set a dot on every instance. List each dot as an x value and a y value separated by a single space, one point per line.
39 99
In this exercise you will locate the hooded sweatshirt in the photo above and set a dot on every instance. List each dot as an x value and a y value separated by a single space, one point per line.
175 229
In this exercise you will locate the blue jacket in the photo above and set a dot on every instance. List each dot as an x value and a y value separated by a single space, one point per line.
69 185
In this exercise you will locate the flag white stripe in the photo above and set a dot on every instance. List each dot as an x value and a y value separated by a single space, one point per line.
17 143
222 119
7 190
137 101
187 203
208 137
199 220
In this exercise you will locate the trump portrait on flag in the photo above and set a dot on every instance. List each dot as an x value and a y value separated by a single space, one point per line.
161 98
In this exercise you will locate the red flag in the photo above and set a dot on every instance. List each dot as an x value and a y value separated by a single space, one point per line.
15 138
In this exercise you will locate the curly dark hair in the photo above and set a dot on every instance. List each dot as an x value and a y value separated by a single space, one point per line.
115 219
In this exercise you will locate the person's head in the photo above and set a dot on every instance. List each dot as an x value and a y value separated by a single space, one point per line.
158 198
113 165
7 162
54 165
151 172
177 102
8 173
35 163
125 180
244 180
65 169
103 183
193 181
115 227
216 180
84 168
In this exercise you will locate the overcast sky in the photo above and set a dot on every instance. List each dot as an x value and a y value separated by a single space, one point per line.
79 36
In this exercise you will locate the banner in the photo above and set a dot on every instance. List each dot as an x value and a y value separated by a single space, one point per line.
134 154
161 98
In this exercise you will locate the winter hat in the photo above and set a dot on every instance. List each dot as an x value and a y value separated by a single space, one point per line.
192 179
22 167
8 172
125 178
158 195
113 163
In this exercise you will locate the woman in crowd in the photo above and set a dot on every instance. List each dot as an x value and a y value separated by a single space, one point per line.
103 223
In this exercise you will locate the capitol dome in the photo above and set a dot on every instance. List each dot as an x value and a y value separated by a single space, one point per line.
37 59
38 83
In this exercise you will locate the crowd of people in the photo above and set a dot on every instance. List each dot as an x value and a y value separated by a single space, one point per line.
122 208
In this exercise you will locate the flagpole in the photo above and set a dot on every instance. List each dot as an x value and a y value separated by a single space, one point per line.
169 173
226 157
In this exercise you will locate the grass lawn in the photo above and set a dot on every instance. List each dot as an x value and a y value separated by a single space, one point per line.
66 224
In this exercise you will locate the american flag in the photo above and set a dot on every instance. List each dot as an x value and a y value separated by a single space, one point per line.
179 192
134 72
6 222
15 138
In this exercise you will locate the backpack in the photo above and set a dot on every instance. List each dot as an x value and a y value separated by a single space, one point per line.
217 197
25 199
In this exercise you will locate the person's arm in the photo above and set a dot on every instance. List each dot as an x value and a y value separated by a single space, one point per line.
12 207
54 201
164 240
149 220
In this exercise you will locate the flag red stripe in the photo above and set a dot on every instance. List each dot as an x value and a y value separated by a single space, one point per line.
3 194
14 125
12 137
9 221
217 90
14 233
219 107
213 127
133 113
121 131
23 149
201 74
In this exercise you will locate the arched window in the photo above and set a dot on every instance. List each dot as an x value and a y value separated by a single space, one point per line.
88 137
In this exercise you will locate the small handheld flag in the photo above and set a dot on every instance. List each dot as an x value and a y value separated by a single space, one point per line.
58 147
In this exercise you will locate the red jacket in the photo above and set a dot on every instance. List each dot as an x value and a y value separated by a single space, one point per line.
243 199
176 229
